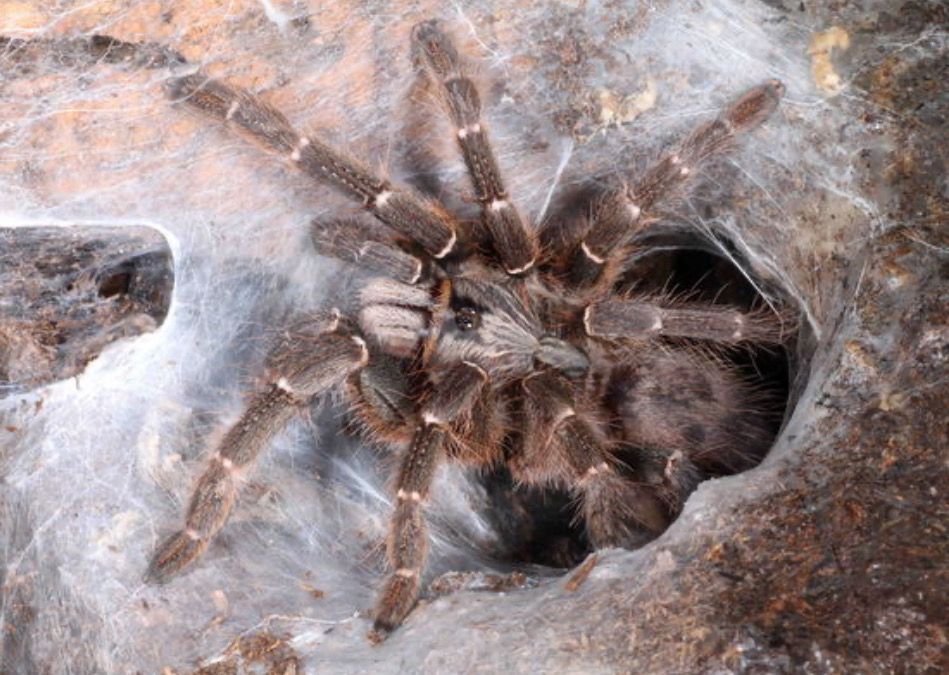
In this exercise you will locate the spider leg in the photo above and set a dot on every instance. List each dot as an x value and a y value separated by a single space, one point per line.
512 240
313 365
672 474
407 547
639 320
562 445
353 242
409 214
382 407
621 214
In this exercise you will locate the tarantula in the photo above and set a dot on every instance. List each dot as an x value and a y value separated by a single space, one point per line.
473 343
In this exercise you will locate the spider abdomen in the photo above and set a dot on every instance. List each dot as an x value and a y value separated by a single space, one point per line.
678 401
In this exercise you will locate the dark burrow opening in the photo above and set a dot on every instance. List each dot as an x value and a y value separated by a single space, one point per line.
539 526
146 278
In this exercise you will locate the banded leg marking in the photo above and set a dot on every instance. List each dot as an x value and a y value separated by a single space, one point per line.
616 511
637 320
409 214
317 366
513 241
625 212
407 547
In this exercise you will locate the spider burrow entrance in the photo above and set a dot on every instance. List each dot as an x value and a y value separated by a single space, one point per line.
538 526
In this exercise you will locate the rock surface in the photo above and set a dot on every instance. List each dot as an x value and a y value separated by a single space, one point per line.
829 557
67 292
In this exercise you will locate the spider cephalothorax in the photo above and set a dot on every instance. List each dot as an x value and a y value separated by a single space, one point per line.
469 344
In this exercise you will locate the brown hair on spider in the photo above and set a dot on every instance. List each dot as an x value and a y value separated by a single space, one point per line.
466 332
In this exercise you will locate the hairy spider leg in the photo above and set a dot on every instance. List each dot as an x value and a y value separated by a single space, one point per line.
624 320
353 242
598 258
308 369
407 550
562 446
512 240
411 215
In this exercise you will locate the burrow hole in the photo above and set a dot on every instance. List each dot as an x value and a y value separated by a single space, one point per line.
539 526
145 279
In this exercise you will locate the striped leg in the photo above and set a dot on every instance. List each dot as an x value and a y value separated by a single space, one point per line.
313 365
411 215
512 240
597 259
351 241
638 320
562 446
407 548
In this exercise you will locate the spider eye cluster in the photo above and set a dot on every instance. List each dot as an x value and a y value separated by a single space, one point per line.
467 318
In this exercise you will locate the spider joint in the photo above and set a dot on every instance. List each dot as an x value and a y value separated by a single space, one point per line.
364 356
590 254
481 371
431 419
301 144
448 247
227 463
464 132
284 385
514 271
382 198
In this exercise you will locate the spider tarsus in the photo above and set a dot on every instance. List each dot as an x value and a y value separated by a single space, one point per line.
755 105
172 556
380 632
620 513
396 600
96 48
434 49
180 88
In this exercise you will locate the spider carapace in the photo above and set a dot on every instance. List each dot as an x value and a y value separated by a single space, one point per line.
473 343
